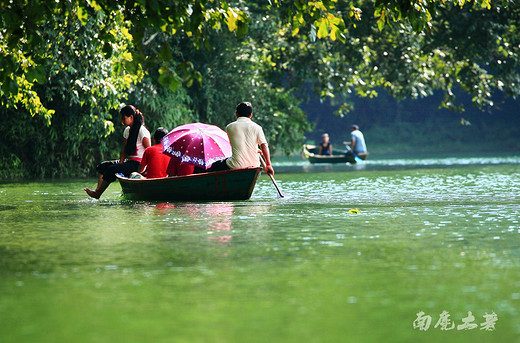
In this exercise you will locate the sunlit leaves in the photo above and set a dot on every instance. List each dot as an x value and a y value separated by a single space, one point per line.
23 35
314 20
467 49
338 37
323 28
381 15
231 19
236 20
320 19
82 15
354 13
419 13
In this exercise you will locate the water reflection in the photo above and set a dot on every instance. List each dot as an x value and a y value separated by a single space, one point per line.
215 218
219 220
162 208
424 240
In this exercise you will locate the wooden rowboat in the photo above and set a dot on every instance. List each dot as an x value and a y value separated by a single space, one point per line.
310 152
235 184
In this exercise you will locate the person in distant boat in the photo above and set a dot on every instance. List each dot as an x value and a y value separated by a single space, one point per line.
245 136
357 143
153 159
325 147
137 139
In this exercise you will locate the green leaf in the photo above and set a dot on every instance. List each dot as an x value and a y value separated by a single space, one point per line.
36 74
12 86
381 23
107 49
231 20
334 31
138 36
175 82
82 15
5 89
95 5
242 29
323 30
164 78
166 53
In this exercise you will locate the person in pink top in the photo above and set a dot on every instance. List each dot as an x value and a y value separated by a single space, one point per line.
137 139
153 159
245 136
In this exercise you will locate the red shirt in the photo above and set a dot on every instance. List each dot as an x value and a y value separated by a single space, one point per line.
176 168
156 162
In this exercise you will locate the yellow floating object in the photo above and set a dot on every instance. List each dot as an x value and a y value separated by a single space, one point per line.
354 211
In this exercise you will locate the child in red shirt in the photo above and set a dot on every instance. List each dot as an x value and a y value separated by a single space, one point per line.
176 168
153 159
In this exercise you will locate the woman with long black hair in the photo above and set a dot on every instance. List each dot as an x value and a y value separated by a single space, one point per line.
137 139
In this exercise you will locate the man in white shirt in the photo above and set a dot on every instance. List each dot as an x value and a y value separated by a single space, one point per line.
245 136
357 143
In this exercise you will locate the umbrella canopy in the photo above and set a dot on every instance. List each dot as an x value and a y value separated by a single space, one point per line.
198 144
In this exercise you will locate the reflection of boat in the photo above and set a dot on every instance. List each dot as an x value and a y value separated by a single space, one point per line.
311 153
235 184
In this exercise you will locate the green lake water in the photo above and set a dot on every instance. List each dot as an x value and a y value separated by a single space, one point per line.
431 235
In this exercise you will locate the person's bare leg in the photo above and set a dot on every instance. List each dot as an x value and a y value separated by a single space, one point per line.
99 190
100 179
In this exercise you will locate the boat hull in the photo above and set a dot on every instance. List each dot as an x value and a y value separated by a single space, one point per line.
235 184
310 152
332 159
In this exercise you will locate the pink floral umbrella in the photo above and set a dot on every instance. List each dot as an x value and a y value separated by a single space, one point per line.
198 144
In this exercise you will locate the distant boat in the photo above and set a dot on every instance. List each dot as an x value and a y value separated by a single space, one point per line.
234 184
310 152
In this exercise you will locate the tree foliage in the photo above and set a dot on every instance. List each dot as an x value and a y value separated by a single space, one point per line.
467 47
25 50
73 82
67 66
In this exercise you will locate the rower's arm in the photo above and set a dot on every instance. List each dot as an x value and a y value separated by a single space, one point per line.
265 152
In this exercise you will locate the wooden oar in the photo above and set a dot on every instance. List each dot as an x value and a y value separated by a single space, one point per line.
280 193
356 157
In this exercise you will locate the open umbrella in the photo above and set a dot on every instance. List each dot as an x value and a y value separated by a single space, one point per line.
198 144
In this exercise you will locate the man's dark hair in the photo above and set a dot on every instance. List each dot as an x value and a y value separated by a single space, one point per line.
159 134
355 127
244 109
